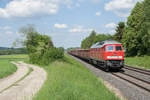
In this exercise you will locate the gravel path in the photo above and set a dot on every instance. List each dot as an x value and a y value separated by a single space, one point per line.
127 90
6 82
25 89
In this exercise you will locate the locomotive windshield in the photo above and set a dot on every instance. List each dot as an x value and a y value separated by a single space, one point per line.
118 48
110 48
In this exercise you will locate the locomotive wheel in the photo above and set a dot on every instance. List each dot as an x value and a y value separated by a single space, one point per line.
90 61
107 68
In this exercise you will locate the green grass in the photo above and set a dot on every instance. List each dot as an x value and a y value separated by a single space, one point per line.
70 80
143 62
15 57
6 67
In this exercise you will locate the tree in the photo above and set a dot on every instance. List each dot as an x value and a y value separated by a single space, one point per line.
37 45
119 31
137 32
93 38
89 41
132 37
145 29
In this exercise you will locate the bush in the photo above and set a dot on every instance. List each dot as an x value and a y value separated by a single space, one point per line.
56 53
49 56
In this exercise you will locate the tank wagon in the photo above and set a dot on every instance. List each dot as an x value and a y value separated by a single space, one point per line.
107 54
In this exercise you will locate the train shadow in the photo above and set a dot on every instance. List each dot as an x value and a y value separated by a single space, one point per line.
111 70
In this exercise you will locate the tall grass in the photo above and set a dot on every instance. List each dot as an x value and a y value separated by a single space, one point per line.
143 62
70 80
6 68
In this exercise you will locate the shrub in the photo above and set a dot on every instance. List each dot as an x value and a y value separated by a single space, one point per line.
47 57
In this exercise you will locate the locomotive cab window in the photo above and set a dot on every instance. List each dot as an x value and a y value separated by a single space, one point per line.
118 48
110 48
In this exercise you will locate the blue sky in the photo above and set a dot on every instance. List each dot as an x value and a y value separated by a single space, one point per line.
68 22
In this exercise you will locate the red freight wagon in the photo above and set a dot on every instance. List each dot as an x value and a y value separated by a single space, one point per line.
82 53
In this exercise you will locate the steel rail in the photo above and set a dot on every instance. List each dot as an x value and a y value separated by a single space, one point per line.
134 83
136 78
138 68
146 72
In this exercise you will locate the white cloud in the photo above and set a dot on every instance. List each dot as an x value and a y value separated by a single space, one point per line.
80 29
96 1
5 28
60 25
120 7
98 13
110 25
9 32
112 31
25 8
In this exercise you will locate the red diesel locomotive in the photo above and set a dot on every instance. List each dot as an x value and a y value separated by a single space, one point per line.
107 54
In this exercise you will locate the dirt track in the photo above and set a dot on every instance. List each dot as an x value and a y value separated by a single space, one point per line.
26 88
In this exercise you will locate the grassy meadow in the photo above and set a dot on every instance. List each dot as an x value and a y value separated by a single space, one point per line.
143 62
14 57
6 67
70 80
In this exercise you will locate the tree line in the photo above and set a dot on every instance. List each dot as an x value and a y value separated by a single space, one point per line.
133 34
10 51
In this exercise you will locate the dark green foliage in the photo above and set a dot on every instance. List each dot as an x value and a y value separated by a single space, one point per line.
136 37
102 37
72 48
56 53
48 56
93 38
119 31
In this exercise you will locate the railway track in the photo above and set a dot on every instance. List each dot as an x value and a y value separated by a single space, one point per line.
133 79
143 71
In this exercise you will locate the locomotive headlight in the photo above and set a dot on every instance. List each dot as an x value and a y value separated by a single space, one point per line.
108 63
122 63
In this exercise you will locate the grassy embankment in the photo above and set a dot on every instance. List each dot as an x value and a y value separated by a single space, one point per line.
143 62
6 68
70 80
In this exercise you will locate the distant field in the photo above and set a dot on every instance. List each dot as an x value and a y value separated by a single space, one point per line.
70 80
143 62
21 56
6 68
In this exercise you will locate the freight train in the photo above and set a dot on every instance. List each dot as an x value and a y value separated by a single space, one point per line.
107 54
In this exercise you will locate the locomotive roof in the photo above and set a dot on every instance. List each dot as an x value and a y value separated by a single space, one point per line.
101 44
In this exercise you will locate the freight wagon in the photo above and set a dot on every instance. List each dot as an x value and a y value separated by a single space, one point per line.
107 54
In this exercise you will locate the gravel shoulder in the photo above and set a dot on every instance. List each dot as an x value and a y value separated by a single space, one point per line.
26 88
120 87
